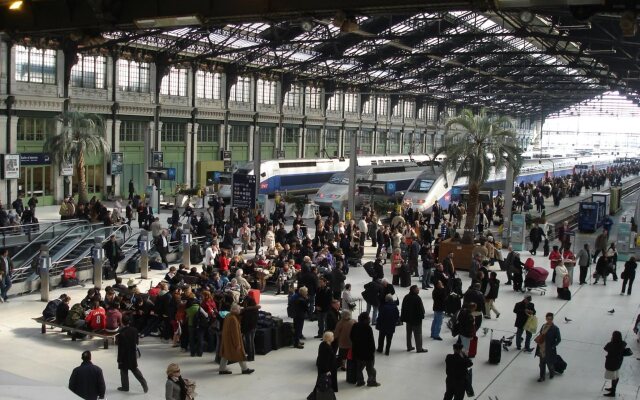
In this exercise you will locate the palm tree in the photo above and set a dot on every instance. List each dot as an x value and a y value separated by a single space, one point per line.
82 134
467 153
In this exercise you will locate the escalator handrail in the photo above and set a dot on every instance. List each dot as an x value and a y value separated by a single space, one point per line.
93 233
46 231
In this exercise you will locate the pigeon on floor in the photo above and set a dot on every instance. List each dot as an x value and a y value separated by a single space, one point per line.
567 320
611 311
485 331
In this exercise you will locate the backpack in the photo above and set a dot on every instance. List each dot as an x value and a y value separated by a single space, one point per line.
75 313
454 325
49 311
290 305
200 320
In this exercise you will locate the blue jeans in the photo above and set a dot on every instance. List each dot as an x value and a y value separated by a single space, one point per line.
527 340
374 316
298 324
436 325
5 285
426 277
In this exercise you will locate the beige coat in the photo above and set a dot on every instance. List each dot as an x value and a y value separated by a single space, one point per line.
231 347
343 333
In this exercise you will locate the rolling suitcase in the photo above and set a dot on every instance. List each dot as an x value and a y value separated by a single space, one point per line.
263 341
276 337
473 347
560 365
405 276
564 293
286 334
495 350
133 267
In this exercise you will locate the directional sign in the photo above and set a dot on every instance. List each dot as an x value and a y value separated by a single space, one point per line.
243 191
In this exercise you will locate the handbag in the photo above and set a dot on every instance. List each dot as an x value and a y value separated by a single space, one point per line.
539 339
532 324
565 281
623 275
627 352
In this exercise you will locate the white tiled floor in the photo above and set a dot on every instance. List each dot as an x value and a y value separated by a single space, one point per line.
290 374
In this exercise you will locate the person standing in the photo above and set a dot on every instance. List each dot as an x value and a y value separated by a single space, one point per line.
87 381
342 335
162 245
326 364
615 354
457 365
547 341
363 350
490 296
6 269
323 302
388 317
628 275
508 264
132 189
299 305
232 346
523 310
412 315
584 262
112 252
535 235
127 341
439 297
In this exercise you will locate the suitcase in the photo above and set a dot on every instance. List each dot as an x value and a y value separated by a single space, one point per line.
473 347
276 337
560 365
255 295
405 277
109 273
564 293
262 341
352 372
453 304
495 351
286 334
133 266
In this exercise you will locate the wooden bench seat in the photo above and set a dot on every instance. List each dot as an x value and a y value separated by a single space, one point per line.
104 335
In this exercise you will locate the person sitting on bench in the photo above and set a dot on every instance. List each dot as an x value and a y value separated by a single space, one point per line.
97 318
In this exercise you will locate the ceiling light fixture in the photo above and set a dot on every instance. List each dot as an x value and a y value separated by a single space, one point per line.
585 26
526 16
591 52
168 22
16 5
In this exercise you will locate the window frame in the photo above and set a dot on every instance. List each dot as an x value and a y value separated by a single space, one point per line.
241 90
35 67
208 85
175 83
81 72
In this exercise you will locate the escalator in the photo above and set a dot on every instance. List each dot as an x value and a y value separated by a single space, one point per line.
52 232
78 251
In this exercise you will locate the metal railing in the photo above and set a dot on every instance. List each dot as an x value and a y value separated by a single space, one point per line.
52 231
10 235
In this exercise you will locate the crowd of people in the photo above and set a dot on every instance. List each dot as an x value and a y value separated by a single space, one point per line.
212 309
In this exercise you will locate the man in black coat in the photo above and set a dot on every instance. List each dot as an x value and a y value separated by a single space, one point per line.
523 310
127 341
363 350
323 302
535 235
87 380
457 365
474 295
412 315
112 252
162 245
371 295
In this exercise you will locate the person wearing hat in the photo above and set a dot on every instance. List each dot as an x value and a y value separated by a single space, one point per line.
457 365
523 309
87 380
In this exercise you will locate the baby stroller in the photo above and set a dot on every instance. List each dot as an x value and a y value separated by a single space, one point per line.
535 277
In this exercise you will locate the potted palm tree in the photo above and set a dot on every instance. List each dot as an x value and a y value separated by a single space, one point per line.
82 135
467 150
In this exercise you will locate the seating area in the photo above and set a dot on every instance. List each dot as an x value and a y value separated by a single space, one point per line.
102 334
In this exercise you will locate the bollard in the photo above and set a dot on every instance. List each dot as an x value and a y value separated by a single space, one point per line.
97 258
186 246
45 266
143 247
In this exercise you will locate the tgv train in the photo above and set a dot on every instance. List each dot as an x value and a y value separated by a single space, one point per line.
306 176
430 186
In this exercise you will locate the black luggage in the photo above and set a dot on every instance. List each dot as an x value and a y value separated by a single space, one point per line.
69 282
453 304
495 351
405 276
133 265
286 334
195 254
560 365
352 373
368 267
276 338
262 341
564 293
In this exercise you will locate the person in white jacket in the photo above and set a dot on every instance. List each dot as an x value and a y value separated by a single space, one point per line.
561 273
270 239
364 229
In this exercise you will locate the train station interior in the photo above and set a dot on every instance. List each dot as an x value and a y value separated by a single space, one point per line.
189 94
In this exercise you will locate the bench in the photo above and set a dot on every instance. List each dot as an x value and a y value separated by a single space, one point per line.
104 335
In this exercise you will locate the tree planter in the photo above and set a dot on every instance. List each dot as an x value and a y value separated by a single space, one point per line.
462 253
